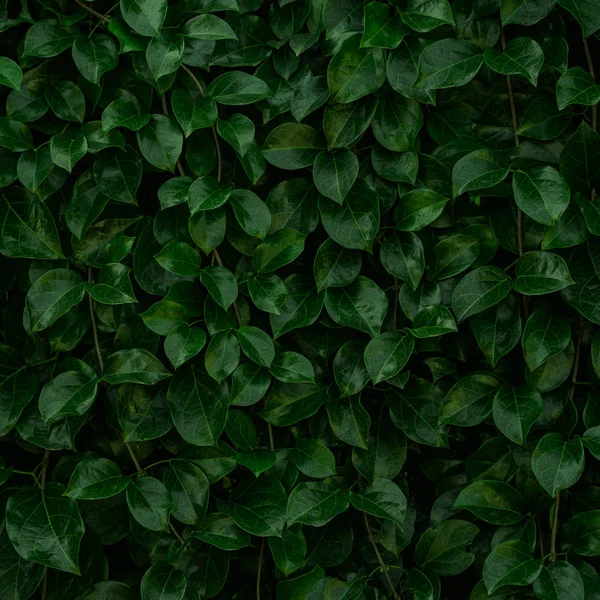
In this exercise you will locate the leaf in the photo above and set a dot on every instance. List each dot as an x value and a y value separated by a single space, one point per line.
219 530
584 12
208 27
198 406
260 510
288 551
515 411
179 258
221 285
94 56
443 547
288 403
383 29
362 305
160 142
189 489
256 345
580 159
349 421
70 393
251 213
397 123
292 146
355 72
17 389
135 365
19 577
522 56
423 16
383 499
113 285
545 335
557 464
238 131
291 367
479 290
335 266
183 343
582 532
46 39
164 54
45 527
387 354
448 63
576 86
470 400
149 502
118 176
66 101
161 581
124 112
313 458
10 73
222 355
510 563
478 170
559 580
144 16
452 255
334 174
493 501
278 249
66 151
542 194
50 297
315 503
236 88
94 479
432 321
418 209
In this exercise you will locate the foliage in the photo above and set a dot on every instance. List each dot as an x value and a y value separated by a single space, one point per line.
300 299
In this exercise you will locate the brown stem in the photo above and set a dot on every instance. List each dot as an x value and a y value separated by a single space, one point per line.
214 130
540 538
259 572
176 533
271 440
94 327
98 15
134 458
379 557
590 63
554 528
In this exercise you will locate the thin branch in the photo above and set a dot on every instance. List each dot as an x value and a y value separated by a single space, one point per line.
554 528
134 458
379 557
176 533
271 440
94 327
98 15
214 130
259 572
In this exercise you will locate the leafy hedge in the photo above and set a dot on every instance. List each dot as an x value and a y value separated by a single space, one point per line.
300 300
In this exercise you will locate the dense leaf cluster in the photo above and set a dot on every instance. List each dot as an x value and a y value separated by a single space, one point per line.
300 299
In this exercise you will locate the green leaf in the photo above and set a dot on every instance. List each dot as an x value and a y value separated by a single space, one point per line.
94 56
585 13
451 256
559 580
236 88
17 389
66 151
349 368
94 479
20 576
149 502
260 510
470 400
66 100
47 39
162 582
45 527
524 12
334 174
577 86
355 223
349 421
418 209
424 15
292 146
268 293
208 27
221 285
135 365
124 112
113 285
492 501
516 410
142 412
522 56
580 159
557 464
416 411
50 297
313 458
70 393
288 403
144 16
183 343
222 355
355 72
288 551
545 335
387 354
179 258
510 563
160 142
238 131
251 213
164 54
14 135
193 113
343 124
383 499
256 345
443 547
383 29
206 193
362 305
315 503
432 321
582 532
397 123
448 63
118 175
541 193
291 367
540 273
189 489
478 170
10 73
198 406
219 530
335 266
277 250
